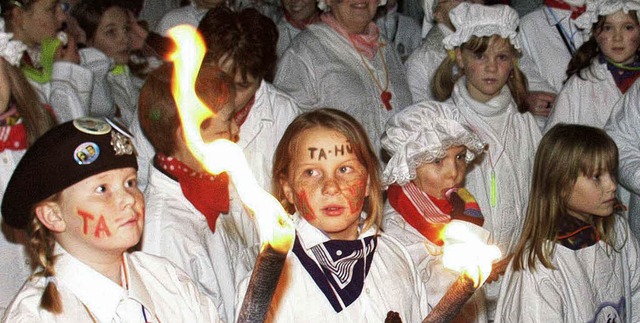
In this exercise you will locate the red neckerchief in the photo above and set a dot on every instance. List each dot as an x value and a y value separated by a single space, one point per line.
302 24
559 4
401 203
13 134
208 193
366 44
241 116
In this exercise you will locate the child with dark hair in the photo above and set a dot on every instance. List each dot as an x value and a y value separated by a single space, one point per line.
195 219
243 45
604 67
107 26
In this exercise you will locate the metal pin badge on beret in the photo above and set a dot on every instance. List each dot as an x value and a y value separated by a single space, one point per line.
64 156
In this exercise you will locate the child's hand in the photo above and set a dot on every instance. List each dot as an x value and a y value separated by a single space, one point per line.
5 91
540 103
68 53
498 269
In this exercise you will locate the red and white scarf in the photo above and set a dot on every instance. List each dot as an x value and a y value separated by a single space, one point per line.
430 215
208 193
559 4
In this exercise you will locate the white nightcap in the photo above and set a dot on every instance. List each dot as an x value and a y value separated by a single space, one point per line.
11 50
480 21
414 136
597 8
322 5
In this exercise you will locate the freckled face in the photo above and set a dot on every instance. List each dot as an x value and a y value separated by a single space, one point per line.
486 72
327 183
438 177
103 213
619 37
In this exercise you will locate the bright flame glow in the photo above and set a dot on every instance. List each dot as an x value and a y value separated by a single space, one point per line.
466 250
274 224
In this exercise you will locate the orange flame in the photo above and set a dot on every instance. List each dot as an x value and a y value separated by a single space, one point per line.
221 155
466 250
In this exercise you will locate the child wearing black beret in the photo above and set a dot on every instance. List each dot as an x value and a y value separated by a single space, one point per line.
75 192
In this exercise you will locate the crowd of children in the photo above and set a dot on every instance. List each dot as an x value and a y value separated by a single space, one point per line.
373 133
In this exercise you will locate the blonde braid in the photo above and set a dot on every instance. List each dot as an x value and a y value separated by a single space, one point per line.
42 246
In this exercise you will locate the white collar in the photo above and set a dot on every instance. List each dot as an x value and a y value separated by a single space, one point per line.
97 292
311 236
496 106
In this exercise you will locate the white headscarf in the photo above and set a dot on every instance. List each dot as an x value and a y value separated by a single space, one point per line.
480 21
414 137
596 8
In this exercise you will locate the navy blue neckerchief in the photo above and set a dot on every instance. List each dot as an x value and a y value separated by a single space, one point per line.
340 267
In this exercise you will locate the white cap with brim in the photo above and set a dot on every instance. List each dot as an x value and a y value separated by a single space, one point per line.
414 136
481 21
596 8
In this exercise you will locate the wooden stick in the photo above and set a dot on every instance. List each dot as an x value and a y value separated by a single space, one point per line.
453 300
262 285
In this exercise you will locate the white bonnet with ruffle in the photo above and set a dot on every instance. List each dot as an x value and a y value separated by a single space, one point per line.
597 8
479 20
322 4
11 50
414 136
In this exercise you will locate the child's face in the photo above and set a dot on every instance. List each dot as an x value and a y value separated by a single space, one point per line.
223 126
300 9
592 196
327 183
245 89
438 177
487 72
112 36
619 37
102 213
41 21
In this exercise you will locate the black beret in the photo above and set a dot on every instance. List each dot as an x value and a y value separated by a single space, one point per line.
62 157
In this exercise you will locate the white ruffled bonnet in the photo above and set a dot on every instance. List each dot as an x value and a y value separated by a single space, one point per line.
597 8
414 137
10 50
322 4
479 20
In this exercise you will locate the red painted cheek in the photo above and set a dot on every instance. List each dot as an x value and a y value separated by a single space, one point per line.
86 217
355 192
101 229
304 207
